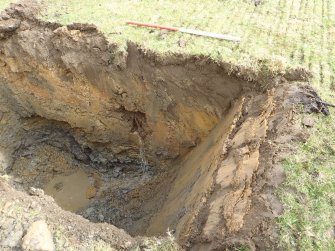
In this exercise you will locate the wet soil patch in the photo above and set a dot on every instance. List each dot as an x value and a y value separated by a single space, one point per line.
79 178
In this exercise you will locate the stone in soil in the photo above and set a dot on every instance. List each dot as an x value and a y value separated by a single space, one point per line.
38 238
91 192
308 121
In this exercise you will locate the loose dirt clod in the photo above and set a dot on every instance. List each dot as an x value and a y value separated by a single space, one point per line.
308 121
311 101
38 238
145 143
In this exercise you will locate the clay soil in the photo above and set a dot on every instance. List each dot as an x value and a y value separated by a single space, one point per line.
136 141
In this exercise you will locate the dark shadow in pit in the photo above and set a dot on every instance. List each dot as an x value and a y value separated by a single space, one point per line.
83 179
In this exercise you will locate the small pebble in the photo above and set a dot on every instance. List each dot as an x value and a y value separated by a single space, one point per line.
101 217
308 121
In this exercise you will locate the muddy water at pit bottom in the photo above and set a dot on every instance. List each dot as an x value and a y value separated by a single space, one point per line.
69 191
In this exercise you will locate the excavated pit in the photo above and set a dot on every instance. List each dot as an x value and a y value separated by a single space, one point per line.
129 192
141 196
147 143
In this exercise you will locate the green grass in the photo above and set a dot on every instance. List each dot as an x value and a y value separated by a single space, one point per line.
276 35
4 4
309 192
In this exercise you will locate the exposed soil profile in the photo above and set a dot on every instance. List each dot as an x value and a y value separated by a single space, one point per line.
144 142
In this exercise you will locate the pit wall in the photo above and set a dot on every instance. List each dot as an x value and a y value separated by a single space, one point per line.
72 74
194 179
212 192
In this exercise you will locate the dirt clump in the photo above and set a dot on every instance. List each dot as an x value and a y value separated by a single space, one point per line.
38 237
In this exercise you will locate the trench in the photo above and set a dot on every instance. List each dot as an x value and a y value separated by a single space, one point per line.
142 197
149 144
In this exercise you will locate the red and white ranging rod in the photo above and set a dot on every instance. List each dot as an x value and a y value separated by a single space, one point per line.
190 31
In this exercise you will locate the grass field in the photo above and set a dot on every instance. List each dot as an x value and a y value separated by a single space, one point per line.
276 35
4 4
308 194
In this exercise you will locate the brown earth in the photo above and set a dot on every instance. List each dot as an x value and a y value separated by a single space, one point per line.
145 142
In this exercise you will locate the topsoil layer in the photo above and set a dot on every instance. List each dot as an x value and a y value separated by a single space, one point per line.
147 143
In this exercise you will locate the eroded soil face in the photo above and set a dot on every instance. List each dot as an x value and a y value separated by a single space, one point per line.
145 143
